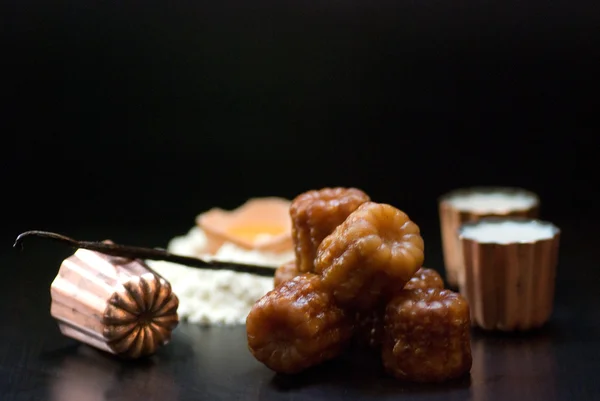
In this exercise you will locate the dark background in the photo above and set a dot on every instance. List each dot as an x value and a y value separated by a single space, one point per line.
124 120
147 113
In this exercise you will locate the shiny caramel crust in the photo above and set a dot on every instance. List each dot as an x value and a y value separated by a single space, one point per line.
371 255
285 272
297 325
427 336
425 278
315 214
368 331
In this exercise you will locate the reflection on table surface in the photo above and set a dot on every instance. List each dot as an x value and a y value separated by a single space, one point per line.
89 375
214 363
514 366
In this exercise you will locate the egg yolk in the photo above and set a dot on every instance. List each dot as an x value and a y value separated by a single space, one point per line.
251 232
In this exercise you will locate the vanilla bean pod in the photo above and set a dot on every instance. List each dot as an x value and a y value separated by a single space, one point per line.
134 252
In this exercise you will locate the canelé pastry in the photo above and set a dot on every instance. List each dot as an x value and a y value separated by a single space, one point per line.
471 204
510 271
297 325
285 272
368 329
427 336
425 278
373 253
315 214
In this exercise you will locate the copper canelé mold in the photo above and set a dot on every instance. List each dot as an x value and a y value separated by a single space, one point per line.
451 218
510 286
114 304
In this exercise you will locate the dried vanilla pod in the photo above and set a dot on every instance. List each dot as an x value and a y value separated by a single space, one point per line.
297 325
136 252
371 255
368 330
427 336
315 214
285 272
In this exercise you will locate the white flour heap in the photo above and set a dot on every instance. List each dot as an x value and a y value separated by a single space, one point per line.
504 232
492 202
216 297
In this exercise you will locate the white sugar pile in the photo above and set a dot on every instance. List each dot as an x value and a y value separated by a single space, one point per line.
492 202
216 297
504 232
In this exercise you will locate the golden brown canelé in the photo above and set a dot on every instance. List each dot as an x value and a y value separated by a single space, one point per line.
285 272
297 325
315 214
368 257
368 330
427 336
425 278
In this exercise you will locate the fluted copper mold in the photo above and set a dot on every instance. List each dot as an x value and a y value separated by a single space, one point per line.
451 218
114 304
509 286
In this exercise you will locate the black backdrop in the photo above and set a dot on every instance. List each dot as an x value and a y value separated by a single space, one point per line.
124 119
146 113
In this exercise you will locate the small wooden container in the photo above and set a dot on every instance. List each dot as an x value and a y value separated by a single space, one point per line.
117 305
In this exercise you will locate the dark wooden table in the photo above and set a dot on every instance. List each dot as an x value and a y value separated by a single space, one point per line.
558 362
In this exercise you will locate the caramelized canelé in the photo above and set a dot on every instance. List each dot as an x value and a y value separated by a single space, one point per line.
368 257
315 214
297 325
427 336
368 330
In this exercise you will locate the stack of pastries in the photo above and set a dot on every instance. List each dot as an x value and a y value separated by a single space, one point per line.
358 281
